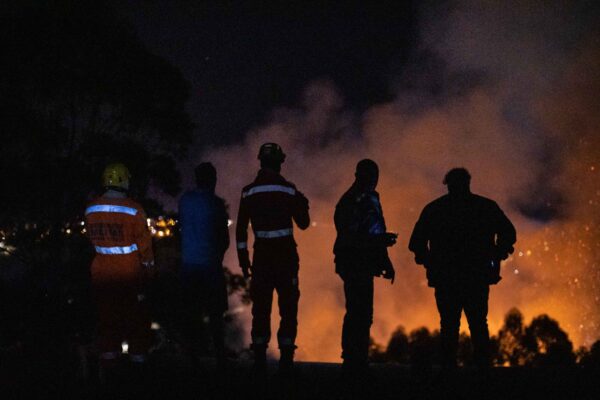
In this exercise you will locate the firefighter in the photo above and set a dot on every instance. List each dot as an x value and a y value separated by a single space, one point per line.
116 226
270 203
461 238
204 240
361 254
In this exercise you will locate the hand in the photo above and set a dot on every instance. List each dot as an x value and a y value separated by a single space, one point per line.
390 274
303 199
387 239
421 259
388 269
149 271
246 272
390 238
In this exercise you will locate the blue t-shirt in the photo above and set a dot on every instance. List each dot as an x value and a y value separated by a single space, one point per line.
204 234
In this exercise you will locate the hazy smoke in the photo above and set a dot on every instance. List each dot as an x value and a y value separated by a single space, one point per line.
505 89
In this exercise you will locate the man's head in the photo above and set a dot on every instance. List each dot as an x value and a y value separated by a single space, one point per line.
271 156
458 181
206 176
367 174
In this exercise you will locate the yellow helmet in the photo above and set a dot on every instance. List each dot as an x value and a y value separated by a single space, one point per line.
116 175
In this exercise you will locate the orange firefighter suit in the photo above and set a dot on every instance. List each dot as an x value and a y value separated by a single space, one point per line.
118 230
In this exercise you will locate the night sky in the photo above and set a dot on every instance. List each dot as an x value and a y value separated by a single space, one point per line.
244 62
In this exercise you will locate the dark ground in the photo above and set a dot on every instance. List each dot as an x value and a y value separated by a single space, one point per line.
168 377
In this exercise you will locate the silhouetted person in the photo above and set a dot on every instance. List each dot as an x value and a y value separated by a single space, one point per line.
204 240
270 204
461 238
360 254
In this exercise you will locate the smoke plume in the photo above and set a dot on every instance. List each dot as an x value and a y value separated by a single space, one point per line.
505 89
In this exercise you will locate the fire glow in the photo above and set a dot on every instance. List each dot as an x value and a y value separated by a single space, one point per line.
531 128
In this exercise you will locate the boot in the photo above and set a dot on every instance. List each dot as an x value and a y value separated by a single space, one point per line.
286 360
260 358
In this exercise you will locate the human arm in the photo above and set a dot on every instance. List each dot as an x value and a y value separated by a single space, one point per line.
143 239
222 226
241 237
419 239
300 210
506 235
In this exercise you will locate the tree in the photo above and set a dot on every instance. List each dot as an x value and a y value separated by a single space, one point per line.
79 89
423 348
547 343
397 348
376 352
510 339
591 358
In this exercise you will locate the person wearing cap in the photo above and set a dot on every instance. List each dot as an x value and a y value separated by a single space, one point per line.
117 227
360 255
461 238
271 204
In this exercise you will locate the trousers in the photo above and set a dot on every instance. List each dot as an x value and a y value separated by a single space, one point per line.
204 294
264 282
451 300
122 316
358 290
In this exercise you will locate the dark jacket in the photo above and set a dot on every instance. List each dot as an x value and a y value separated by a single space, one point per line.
204 235
462 239
360 227
270 204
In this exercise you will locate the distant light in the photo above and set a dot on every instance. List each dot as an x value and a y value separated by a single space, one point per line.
125 347
82 223
229 223
68 231
155 326
516 271
161 233
520 254
314 223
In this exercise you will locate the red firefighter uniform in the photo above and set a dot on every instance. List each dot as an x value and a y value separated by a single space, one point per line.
270 203
117 228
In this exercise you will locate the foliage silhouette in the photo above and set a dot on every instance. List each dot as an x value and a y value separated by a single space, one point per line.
541 343
398 346
78 89
547 343
510 337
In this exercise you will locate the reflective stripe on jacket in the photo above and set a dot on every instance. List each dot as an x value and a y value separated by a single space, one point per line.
119 232
270 204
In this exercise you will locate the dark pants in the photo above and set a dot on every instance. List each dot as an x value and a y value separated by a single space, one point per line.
473 299
358 290
204 294
285 282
